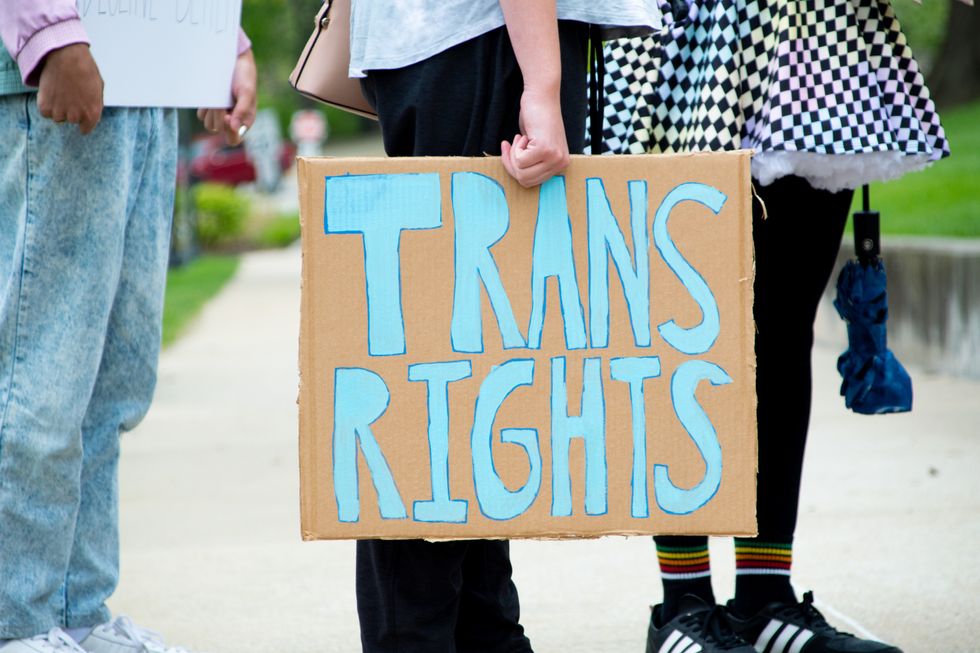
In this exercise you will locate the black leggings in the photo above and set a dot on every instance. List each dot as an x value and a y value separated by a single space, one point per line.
795 250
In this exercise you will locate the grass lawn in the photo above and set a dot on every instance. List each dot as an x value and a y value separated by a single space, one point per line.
944 199
189 287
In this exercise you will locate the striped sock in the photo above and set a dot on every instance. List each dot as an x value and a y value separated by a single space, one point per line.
685 568
762 573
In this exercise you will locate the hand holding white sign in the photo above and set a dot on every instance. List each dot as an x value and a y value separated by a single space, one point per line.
243 93
70 87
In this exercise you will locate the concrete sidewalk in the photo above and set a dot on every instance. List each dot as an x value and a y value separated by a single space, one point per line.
211 555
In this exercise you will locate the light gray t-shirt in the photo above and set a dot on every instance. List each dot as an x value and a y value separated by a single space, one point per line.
398 33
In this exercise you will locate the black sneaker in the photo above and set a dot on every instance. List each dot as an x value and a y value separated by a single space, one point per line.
697 628
799 628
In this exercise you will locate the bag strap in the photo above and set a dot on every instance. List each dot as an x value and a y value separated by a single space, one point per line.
867 230
597 70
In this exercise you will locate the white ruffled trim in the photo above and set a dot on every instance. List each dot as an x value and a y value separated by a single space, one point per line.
835 172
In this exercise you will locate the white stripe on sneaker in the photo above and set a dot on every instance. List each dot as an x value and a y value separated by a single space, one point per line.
670 641
682 645
763 641
693 648
801 641
786 634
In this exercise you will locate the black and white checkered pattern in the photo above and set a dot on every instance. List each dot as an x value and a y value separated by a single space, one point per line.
830 77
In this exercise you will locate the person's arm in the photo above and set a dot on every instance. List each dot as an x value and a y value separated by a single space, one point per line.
244 96
47 40
541 149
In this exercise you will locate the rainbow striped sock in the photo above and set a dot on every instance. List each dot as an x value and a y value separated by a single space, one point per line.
683 562
762 570
685 568
755 557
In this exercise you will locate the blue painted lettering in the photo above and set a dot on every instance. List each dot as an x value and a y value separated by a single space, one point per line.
604 235
591 427
380 207
360 398
553 257
438 376
683 386
700 338
481 218
495 499
634 371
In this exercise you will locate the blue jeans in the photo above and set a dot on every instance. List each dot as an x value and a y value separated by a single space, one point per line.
84 239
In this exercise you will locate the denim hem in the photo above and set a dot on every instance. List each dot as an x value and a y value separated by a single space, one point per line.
18 631
90 620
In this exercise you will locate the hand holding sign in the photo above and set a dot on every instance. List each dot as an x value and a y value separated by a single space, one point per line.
243 93
70 87
542 151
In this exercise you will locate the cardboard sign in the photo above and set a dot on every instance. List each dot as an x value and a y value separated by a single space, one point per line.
164 53
479 360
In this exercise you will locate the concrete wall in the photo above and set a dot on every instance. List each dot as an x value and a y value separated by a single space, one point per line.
934 303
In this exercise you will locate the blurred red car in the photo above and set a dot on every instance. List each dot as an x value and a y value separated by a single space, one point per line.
214 161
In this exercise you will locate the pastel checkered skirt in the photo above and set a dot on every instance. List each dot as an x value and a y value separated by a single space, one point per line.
823 89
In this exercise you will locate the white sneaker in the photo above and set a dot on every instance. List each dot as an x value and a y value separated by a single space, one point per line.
123 636
54 641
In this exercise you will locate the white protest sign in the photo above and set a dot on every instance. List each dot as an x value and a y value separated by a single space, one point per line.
164 53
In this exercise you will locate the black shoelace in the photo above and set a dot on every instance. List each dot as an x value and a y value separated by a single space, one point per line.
812 618
715 627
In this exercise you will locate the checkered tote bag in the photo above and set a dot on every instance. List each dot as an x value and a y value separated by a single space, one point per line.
824 89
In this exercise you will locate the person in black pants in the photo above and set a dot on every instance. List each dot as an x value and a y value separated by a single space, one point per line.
416 596
470 78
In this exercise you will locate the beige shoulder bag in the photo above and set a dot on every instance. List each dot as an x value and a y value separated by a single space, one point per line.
321 72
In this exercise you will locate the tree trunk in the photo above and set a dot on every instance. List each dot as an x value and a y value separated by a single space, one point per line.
955 78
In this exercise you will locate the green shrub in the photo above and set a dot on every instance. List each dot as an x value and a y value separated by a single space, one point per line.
341 123
280 231
221 213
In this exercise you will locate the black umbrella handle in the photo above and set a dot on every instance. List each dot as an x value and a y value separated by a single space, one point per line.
867 231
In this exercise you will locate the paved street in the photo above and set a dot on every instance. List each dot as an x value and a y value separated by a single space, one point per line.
889 526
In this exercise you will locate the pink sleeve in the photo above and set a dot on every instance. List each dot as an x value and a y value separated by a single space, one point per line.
30 29
243 41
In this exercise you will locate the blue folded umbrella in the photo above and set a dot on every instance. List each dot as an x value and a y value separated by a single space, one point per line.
874 381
